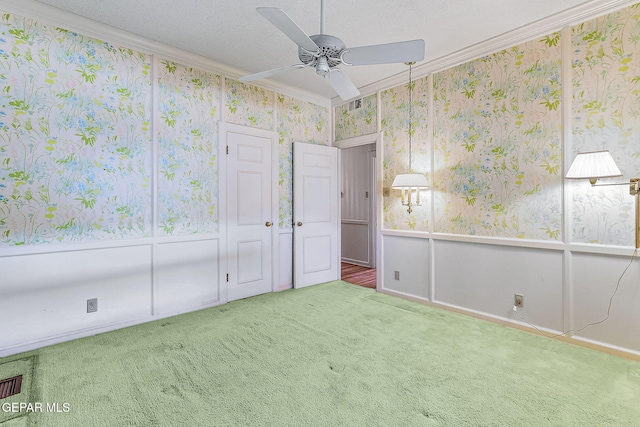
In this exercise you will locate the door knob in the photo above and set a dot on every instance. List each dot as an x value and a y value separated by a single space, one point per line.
268 224
299 224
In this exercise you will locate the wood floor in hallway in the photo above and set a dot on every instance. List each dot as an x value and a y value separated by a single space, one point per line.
358 275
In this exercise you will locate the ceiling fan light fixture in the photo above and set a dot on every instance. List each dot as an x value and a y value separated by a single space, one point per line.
322 66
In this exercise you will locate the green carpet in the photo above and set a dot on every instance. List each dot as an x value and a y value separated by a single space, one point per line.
328 355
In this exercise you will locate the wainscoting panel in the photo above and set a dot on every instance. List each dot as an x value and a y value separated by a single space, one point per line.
355 243
594 281
187 275
45 295
484 278
409 257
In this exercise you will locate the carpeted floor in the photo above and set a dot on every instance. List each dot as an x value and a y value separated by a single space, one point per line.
328 355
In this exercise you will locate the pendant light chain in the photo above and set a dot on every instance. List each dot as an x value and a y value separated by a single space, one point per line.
410 115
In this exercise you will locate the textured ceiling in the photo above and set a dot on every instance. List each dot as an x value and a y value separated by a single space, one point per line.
232 32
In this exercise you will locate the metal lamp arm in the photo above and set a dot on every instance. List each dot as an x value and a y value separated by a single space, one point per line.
634 185
609 183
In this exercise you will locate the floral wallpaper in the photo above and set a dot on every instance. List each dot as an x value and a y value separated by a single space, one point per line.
76 158
248 105
187 148
497 144
497 138
75 152
357 122
302 122
395 126
606 116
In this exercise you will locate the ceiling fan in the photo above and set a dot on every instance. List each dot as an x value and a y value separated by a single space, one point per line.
326 52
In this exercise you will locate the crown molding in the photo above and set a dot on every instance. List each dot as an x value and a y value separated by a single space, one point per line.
540 28
53 16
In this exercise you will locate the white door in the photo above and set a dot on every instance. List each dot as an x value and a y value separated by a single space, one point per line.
315 214
250 211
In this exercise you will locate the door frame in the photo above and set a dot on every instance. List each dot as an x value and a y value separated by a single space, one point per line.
372 138
223 180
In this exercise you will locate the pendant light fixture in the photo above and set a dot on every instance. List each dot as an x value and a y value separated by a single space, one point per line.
410 182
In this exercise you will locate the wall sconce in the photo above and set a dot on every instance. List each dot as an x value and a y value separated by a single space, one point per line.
599 164
408 182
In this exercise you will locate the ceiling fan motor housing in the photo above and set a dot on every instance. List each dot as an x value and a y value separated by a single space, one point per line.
330 47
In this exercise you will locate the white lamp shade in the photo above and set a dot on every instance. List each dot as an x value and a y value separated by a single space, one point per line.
596 164
414 180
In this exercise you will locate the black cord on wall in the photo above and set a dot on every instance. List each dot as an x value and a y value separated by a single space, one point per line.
515 309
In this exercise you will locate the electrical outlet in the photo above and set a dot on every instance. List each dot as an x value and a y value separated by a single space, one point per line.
518 300
396 275
92 305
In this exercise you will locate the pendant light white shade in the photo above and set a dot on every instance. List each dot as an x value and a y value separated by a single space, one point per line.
593 165
414 180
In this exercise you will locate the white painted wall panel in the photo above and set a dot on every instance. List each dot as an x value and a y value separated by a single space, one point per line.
187 274
594 279
355 243
45 295
410 258
484 278
285 260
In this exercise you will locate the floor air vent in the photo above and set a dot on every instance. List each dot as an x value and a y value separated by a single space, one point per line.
10 386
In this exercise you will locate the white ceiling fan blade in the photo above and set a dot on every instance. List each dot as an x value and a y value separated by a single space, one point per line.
408 51
343 86
281 20
269 73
